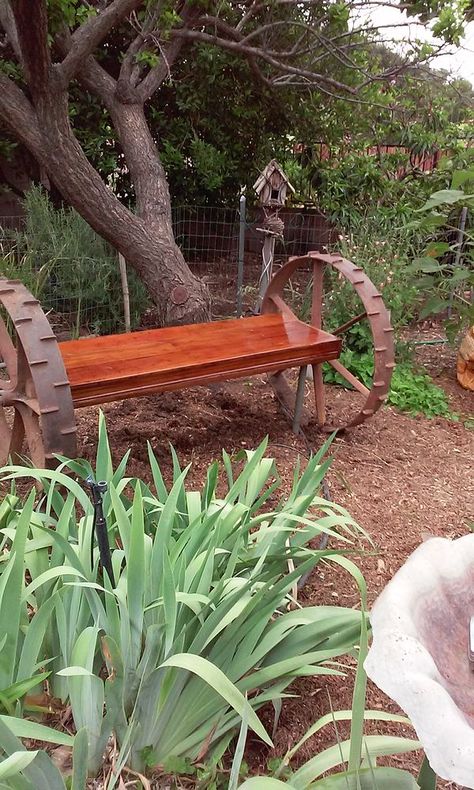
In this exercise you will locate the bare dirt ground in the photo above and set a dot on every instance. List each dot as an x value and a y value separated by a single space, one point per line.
401 477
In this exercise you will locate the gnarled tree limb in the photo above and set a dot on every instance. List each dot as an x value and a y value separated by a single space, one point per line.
31 19
90 34
7 21
20 117
311 77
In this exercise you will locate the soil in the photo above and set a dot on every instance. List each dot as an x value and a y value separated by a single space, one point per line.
402 478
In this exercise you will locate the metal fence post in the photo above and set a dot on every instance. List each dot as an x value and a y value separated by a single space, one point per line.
241 253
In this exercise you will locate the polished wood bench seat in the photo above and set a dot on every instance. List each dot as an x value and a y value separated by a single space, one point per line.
109 368
43 380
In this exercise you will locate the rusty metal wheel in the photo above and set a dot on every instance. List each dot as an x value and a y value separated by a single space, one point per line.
374 312
36 406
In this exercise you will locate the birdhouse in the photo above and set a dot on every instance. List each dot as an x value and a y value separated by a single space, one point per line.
272 186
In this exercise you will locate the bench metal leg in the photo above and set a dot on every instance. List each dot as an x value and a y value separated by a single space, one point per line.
299 399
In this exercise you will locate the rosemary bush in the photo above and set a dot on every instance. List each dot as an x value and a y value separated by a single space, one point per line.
72 270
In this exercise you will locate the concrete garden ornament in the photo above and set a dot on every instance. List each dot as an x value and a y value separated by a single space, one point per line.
422 656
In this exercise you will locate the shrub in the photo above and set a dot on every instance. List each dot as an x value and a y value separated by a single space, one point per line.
200 627
444 270
75 272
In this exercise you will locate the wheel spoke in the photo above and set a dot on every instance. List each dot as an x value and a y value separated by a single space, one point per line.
8 354
319 394
317 301
5 435
347 375
316 320
17 435
32 429
26 425
347 325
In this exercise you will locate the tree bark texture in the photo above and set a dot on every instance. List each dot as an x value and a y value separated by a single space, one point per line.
144 238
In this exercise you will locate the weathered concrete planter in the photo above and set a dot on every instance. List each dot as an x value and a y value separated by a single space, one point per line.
419 654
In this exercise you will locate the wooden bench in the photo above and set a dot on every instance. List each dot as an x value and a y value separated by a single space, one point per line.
125 366
45 380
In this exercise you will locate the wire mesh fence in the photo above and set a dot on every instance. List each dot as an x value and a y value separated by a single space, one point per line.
81 294
82 291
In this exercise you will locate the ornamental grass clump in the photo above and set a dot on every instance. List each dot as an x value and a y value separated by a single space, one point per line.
200 628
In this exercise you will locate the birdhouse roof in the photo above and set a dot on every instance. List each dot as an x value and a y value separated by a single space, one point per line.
266 174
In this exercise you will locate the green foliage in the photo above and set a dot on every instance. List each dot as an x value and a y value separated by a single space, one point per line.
198 632
383 243
357 183
449 18
358 754
74 272
410 391
446 267
216 126
353 183
415 393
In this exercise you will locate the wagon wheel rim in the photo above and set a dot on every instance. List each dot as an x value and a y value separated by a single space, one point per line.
37 388
374 312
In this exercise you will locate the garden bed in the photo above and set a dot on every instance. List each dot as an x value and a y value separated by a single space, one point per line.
402 478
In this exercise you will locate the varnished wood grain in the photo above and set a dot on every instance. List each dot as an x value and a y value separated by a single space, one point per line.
121 366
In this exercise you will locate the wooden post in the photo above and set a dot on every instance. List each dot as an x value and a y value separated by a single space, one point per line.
267 266
271 187
241 254
316 320
125 292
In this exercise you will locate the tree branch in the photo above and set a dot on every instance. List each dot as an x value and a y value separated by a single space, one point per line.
130 68
233 33
151 82
19 116
31 19
91 33
95 78
7 20
312 78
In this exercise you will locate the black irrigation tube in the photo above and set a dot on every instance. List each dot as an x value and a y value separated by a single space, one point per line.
99 528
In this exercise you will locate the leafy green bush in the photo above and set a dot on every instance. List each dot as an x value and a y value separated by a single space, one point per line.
445 268
357 182
415 393
410 391
74 272
199 629
383 251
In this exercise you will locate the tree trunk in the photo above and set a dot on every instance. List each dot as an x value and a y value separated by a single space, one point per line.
147 241
184 299
149 247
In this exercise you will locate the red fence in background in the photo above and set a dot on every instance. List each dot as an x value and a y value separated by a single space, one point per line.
426 162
